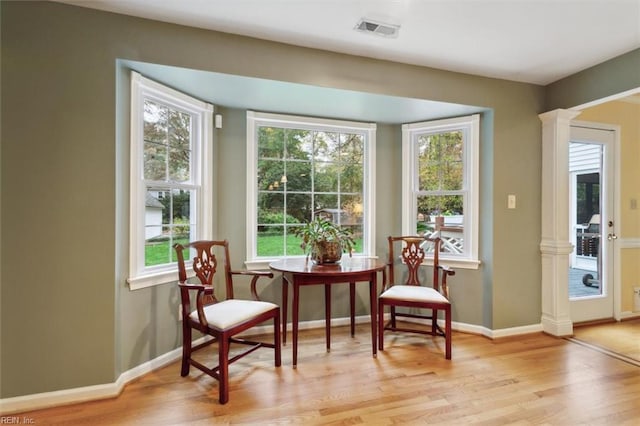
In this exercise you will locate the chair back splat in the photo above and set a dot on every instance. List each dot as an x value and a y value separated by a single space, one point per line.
222 319
412 293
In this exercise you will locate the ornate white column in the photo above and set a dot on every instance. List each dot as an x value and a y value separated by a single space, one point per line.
555 245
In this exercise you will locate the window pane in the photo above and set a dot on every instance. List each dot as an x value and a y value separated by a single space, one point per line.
300 172
444 213
180 207
155 161
157 250
326 177
440 205
327 203
154 209
298 176
179 165
352 178
167 221
270 208
155 122
351 216
326 146
270 174
270 142
167 143
351 148
179 146
270 241
155 141
299 144
440 163
293 243
299 208
179 129
351 207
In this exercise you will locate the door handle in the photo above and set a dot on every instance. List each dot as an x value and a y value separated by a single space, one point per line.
612 237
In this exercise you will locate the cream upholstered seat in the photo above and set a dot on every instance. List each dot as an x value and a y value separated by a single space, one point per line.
230 313
221 319
411 293
414 293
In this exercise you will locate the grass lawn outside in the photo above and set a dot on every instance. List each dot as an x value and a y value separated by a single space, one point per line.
158 253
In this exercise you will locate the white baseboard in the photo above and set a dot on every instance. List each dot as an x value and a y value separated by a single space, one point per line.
483 331
629 315
110 390
86 393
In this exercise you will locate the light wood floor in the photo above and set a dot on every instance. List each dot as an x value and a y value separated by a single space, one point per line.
533 379
619 337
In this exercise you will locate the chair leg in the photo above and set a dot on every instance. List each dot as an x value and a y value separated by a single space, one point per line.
277 342
434 322
381 325
223 365
447 331
186 348
393 316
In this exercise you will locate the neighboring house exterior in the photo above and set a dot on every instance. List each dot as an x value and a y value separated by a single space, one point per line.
153 217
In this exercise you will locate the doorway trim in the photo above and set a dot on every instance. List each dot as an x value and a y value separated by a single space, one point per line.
607 305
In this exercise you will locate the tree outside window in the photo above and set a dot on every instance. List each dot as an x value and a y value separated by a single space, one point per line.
440 184
170 178
306 168
167 166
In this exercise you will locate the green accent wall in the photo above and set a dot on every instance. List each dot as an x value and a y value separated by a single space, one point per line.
617 75
68 318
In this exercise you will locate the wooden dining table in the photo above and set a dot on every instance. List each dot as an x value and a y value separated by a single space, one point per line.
301 272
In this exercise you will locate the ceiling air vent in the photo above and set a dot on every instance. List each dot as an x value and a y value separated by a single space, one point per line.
378 28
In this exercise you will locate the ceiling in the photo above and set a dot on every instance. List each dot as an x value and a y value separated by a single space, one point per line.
533 41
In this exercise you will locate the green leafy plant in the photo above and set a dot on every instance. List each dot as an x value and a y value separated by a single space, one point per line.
317 233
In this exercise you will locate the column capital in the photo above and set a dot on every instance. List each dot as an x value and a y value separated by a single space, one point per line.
558 115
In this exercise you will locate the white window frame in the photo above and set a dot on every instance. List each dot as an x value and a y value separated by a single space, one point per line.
141 276
257 119
470 126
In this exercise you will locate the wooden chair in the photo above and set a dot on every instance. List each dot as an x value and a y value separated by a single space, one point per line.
220 319
412 294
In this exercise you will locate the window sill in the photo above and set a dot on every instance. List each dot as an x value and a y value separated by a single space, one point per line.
460 263
151 280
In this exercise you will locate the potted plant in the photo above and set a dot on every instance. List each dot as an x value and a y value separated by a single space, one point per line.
325 241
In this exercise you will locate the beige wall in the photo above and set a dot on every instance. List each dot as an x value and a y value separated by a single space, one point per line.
627 116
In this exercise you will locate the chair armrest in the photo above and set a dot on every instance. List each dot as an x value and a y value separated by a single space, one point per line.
190 286
204 297
446 271
384 280
256 275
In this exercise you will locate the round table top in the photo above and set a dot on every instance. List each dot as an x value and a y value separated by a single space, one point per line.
345 266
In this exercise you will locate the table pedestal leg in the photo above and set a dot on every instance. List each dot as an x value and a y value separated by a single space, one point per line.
327 315
285 297
352 307
373 299
294 308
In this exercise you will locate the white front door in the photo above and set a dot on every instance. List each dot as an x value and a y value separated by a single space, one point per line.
591 207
